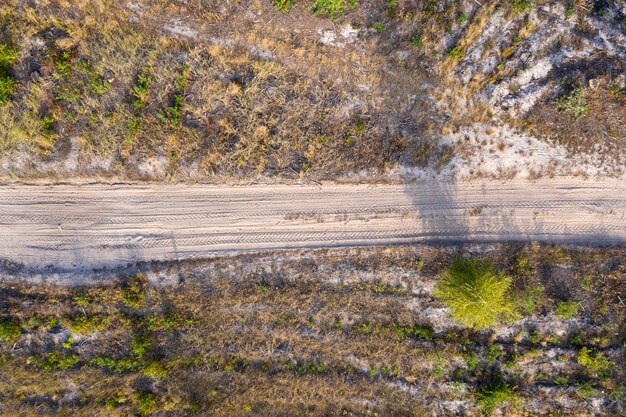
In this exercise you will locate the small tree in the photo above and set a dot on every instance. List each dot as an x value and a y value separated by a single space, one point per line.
476 295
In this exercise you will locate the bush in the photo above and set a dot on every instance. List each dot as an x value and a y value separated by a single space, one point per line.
595 362
8 55
9 330
573 102
7 87
566 309
283 5
54 361
494 396
476 295
332 8
523 6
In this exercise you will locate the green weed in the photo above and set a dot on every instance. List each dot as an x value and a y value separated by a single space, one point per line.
495 396
141 90
8 55
9 330
283 5
566 309
523 6
332 8
54 361
124 364
594 362
573 102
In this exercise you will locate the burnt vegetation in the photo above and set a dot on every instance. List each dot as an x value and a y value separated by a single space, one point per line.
332 332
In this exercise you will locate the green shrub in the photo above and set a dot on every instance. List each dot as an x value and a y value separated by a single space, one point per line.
141 344
454 52
496 395
115 400
573 102
116 365
83 324
476 295
9 330
141 90
523 6
7 87
417 41
134 292
54 360
147 401
64 64
595 362
566 309
332 8
379 27
154 369
283 5
8 55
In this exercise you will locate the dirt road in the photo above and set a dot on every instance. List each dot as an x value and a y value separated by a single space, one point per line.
82 227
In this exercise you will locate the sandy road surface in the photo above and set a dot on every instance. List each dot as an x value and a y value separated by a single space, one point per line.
81 227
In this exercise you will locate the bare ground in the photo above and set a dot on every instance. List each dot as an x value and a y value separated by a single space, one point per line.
69 227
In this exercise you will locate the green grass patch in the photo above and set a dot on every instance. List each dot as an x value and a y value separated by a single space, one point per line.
332 8
566 309
573 102
9 330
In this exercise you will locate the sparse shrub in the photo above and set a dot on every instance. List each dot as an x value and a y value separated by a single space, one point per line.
534 336
7 87
116 365
595 362
47 124
586 390
454 52
497 395
561 380
64 64
332 8
115 400
566 309
147 402
476 294
68 343
54 360
84 324
141 344
9 330
391 8
523 6
154 369
8 55
283 5
529 298
134 292
573 102
417 41
141 90
462 18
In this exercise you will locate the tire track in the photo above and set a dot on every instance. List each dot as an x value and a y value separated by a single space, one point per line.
83 227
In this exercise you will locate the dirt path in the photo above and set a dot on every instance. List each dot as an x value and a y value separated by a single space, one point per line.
82 227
